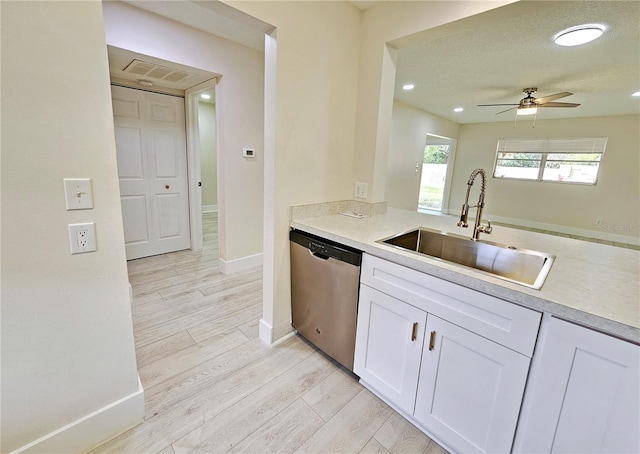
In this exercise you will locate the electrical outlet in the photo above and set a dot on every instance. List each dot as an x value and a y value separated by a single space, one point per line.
361 190
82 237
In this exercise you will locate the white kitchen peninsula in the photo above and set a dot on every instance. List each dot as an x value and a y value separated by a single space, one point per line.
435 303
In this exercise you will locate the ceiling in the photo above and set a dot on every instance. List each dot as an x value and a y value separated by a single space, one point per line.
121 59
491 57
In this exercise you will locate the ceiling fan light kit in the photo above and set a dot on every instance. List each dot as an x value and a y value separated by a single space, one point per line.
578 35
529 104
530 110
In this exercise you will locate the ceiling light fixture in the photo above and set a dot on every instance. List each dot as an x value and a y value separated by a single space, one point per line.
205 96
458 109
523 110
578 35
408 86
145 83
637 93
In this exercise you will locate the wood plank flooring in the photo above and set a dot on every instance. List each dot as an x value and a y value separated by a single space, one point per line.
212 386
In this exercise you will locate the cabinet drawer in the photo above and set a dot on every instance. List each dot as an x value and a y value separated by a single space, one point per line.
503 322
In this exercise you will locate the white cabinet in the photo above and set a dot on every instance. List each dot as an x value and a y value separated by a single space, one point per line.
584 395
475 355
388 346
470 388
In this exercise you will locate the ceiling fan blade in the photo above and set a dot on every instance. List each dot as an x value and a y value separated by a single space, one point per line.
546 99
490 105
559 104
513 108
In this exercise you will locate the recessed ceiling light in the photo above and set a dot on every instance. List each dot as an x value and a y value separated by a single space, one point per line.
578 35
637 93
408 86
458 109
205 96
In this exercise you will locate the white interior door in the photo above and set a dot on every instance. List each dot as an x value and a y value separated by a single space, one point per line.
152 168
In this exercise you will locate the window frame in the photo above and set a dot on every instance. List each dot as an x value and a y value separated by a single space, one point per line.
599 145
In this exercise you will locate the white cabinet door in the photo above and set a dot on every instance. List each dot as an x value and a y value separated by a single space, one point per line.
470 389
585 396
388 346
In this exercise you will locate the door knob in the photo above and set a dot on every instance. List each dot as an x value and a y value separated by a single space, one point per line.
166 186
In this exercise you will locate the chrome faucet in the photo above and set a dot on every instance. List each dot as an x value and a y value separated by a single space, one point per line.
477 228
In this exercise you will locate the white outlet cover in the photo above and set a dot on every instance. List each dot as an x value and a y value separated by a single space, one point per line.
78 194
82 237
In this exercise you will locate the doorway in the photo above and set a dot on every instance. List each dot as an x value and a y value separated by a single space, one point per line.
435 177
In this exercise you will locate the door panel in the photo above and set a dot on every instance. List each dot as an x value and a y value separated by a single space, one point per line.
470 389
169 214
388 346
134 211
152 167
129 152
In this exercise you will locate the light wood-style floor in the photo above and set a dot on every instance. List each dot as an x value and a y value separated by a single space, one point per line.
212 386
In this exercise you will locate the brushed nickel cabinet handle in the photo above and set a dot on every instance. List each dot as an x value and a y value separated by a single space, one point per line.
432 341
414 332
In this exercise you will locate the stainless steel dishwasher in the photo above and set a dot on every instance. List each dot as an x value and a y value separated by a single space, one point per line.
324 294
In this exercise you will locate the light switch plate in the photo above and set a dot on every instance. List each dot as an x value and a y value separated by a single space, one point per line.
78 194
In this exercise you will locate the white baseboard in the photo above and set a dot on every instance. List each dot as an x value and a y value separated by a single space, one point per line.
209 208
93 429
241 264
273 336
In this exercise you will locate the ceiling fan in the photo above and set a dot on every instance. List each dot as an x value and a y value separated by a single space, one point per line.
529 105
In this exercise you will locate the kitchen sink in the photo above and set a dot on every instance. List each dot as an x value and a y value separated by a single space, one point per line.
524 267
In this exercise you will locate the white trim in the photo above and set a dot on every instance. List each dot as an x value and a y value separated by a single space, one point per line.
193 160
209 208
240 264
274 336
93 429
599 235
265 332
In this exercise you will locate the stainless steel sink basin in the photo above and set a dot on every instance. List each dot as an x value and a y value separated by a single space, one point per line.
524 267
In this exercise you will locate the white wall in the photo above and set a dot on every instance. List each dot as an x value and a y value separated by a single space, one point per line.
313 76
208 161
67 337
239 103
615 200
399 23
407 139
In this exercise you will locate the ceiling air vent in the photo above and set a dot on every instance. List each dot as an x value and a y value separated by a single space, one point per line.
153 71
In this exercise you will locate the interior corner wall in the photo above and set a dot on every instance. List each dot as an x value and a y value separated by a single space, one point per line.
315 93
208 162
614 200
408 136
239 105
383 24
67 336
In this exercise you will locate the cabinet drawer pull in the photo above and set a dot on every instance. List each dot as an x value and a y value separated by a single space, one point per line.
432 341
414 332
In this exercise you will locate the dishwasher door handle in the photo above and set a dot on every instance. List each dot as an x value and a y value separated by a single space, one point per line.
318 256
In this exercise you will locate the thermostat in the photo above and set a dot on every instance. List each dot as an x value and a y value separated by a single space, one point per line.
248 153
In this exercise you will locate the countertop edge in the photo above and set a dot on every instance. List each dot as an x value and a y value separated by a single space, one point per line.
484 285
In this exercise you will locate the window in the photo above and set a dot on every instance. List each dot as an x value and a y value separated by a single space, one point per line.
567 160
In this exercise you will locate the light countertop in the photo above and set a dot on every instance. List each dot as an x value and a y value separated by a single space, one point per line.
592 284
